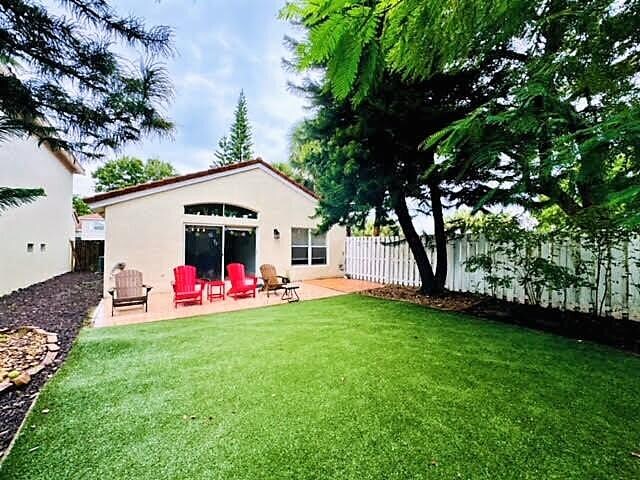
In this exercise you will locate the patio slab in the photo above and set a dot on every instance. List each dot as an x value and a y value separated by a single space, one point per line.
161 304
345 285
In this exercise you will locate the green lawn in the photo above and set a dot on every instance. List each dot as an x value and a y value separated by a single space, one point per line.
346 388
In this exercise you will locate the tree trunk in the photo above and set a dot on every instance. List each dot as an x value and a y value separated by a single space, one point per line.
376 221
427 278
440 235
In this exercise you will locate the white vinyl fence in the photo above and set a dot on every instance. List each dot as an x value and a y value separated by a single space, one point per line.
389 260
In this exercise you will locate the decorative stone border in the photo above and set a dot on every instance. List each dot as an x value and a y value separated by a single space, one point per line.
25 376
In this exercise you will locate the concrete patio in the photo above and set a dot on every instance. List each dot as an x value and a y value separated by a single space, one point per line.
161 304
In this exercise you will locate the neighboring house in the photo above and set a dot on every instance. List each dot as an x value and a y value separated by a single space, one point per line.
90 227
248 212
35 239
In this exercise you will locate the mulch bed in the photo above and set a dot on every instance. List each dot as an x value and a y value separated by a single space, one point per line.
622 334
59 305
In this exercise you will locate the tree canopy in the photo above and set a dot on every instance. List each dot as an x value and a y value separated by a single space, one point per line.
548 116
568 123
237 146
64 78
80 206
128 171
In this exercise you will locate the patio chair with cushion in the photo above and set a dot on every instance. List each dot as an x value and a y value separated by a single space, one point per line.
129 290
272 281
242 285
187 288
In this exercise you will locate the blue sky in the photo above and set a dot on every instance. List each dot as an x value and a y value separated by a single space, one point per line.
222 46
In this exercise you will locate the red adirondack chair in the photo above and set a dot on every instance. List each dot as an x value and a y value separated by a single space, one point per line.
187 288
241 285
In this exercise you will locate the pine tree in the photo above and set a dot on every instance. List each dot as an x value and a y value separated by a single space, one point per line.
223 154
237 146
64 80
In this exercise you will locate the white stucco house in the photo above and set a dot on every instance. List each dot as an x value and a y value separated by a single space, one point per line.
36 238
90 227
248 212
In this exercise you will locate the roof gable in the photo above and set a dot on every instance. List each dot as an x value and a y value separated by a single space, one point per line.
171 183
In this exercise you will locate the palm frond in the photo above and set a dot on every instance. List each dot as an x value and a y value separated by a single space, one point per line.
14 197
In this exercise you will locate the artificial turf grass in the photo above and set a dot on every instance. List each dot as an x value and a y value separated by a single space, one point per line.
348 387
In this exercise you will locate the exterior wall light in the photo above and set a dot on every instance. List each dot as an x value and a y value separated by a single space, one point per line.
276 234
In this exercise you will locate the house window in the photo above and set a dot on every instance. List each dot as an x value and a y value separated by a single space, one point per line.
220 210
43 247
307 247
209 209
29 247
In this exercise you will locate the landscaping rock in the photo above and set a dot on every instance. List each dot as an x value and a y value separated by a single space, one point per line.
49 358
59 305
21 380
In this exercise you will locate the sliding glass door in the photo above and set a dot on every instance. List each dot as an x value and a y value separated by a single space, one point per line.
203 250
240 247
208 248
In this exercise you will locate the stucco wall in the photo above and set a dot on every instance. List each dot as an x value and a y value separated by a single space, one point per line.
46 221
148 233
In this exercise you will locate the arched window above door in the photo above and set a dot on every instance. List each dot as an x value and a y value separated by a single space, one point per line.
220 210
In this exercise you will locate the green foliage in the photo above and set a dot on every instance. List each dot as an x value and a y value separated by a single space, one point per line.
64 77
127 171
294 172
237 146
564 115
598 232
80 207
14 197
514 255
389 229
361 39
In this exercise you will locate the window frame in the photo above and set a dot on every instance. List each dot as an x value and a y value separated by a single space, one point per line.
223 211
309 246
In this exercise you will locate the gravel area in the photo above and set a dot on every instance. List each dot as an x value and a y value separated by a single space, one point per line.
59 305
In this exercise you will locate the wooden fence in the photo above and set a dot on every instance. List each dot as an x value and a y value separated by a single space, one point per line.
389 260
86 254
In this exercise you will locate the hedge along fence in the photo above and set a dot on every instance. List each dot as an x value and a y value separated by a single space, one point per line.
611 290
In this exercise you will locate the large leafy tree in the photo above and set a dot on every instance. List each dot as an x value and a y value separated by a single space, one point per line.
366 157
128 171
237 146
566 130
65 81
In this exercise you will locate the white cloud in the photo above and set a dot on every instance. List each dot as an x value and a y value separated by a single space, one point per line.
222 47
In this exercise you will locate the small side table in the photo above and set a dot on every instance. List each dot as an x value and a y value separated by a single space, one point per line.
215 290
290 293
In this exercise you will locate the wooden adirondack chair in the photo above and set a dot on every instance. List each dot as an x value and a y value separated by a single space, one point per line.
241 285
129 290
272 281
187 288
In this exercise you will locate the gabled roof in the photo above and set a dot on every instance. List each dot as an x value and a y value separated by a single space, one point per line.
103 199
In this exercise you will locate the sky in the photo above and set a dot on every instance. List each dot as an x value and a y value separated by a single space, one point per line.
222 46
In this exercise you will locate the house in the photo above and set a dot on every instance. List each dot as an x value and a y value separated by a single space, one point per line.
90 227
36 238
248 212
